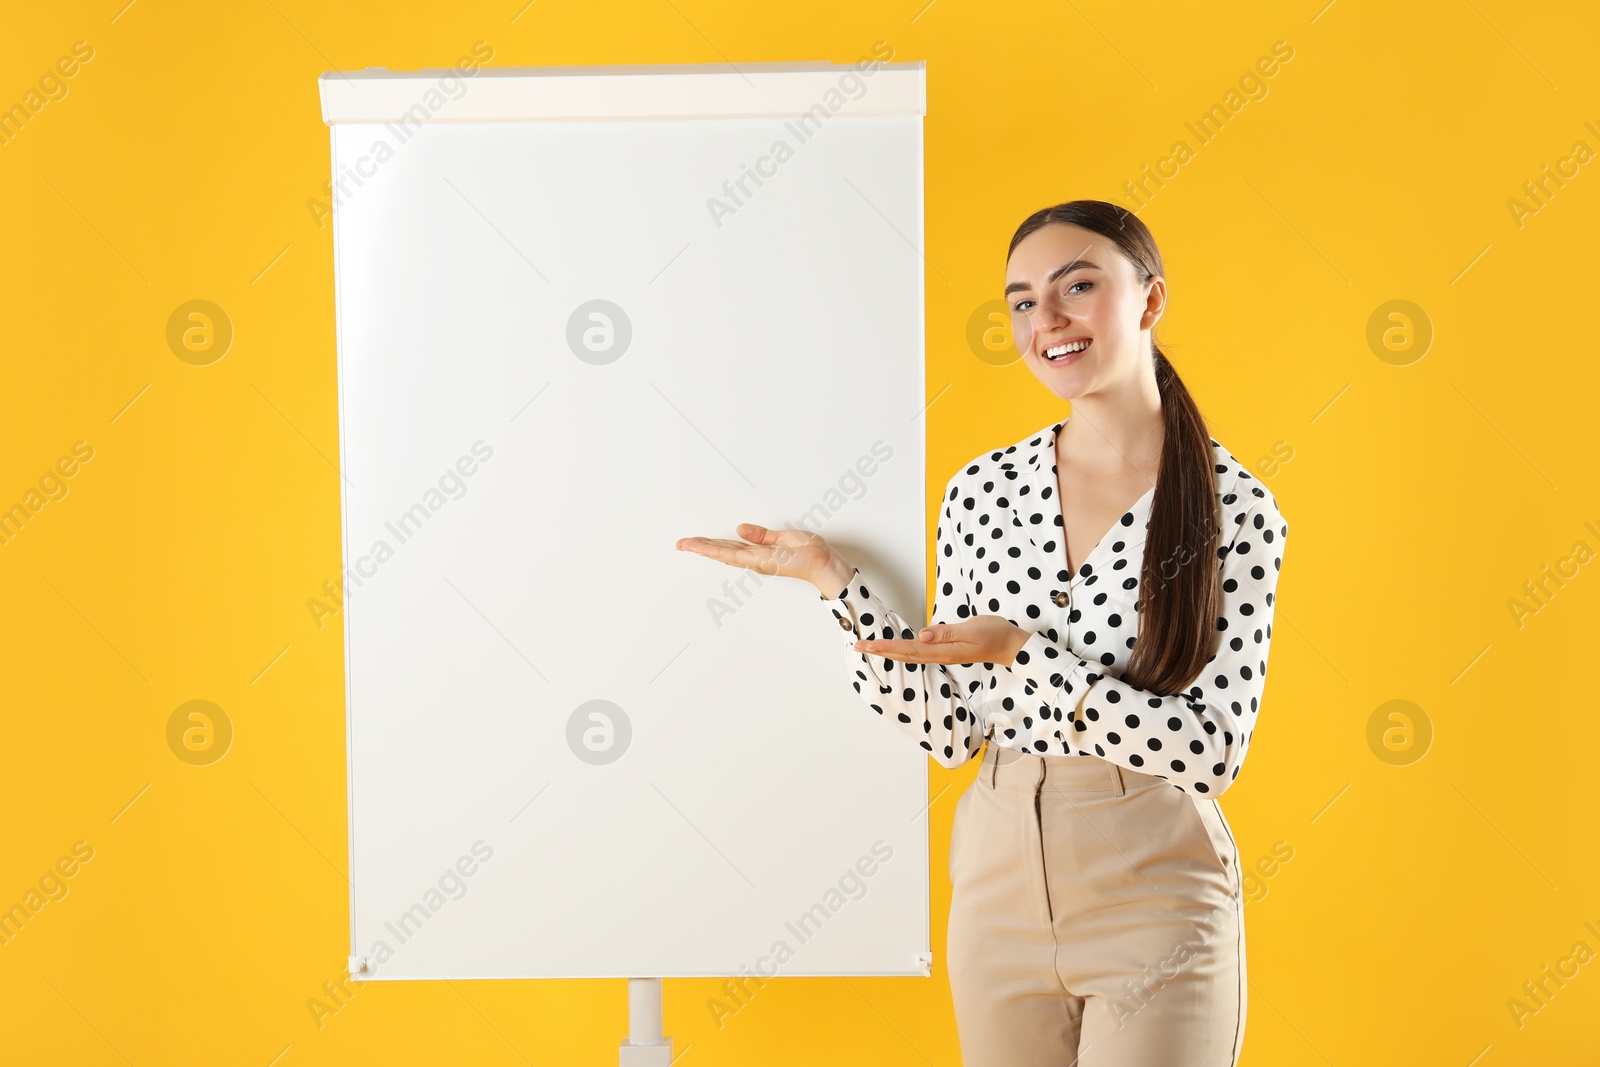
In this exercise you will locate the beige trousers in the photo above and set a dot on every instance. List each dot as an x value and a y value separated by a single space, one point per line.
1095 919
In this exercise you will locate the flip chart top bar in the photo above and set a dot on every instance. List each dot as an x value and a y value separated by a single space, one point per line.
661 91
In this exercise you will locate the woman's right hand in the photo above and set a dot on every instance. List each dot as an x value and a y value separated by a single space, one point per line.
785 553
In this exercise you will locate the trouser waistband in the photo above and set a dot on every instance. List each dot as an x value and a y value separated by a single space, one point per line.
1009 768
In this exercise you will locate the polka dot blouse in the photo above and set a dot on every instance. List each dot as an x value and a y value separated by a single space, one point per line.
1000 553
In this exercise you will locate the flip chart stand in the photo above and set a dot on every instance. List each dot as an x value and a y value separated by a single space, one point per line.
645 1047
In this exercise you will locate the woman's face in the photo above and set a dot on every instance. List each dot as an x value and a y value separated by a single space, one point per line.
1066 285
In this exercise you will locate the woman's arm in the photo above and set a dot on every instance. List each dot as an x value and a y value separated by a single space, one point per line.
947 707
1058 703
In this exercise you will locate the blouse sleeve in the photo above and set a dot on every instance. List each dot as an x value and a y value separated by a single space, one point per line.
1195 739
944 707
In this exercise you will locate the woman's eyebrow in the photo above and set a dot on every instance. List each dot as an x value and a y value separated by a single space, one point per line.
1058 272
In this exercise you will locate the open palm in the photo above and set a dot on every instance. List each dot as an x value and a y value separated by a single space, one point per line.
981 639
787 553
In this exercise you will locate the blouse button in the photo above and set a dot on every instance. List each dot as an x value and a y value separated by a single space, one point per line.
844 624
1060 599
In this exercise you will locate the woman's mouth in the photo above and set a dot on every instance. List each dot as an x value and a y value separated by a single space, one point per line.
1067 351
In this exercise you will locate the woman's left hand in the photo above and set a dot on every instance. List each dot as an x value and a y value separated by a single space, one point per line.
981 639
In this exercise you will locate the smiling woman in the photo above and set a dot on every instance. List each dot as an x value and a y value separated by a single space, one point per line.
1104 598
1144 557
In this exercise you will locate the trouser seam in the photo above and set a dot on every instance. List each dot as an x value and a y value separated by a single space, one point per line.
1238 957
1044 865
1238 937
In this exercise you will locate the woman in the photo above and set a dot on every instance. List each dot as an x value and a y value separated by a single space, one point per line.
1105 593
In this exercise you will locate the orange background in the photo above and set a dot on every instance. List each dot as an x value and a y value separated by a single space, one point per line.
1425 485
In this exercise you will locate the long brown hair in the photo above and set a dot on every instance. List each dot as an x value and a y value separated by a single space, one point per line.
1179 577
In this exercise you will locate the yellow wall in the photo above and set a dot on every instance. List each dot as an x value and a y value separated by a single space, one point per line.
1378 163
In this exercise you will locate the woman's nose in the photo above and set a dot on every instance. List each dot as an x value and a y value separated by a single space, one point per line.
1050 321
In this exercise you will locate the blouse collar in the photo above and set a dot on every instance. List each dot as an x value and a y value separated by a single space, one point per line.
1044 496
1034 464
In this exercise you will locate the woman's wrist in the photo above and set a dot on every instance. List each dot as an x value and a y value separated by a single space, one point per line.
1017 640
834 577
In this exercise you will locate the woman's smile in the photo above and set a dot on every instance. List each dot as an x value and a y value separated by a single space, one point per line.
1066 352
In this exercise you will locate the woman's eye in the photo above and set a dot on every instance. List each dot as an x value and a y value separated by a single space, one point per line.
1018 305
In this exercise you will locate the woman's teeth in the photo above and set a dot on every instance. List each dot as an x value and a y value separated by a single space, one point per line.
1062 351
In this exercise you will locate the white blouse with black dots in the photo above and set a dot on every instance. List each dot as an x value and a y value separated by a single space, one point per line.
1000 553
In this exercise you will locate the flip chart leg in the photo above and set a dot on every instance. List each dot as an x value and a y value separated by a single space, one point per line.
645 1047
